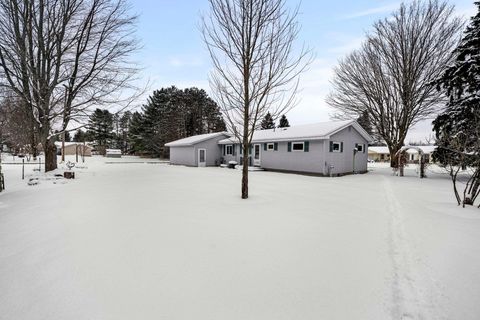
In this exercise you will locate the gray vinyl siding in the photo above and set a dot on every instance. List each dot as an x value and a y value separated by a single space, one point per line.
213 153
183 156
343 161
300 161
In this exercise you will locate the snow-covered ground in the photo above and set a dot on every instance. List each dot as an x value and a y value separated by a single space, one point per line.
130 239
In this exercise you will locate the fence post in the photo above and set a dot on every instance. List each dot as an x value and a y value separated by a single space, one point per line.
23 169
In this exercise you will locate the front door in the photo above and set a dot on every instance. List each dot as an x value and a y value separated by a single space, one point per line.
202 157
256 155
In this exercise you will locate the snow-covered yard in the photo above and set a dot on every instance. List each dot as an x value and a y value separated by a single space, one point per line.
152 241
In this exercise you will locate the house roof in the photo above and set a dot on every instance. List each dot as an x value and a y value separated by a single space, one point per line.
378 150
59 144
316 131
190 141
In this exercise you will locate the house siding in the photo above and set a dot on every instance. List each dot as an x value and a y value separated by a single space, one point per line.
343 162
214 154
298 161
183 156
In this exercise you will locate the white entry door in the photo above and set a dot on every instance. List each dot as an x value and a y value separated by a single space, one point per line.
256 155
202 157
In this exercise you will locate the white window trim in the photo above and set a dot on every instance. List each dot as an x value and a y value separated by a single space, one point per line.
359 145
298 142
339 147
231 150
270 146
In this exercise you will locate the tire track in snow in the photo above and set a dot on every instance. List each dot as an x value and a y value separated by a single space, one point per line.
408 302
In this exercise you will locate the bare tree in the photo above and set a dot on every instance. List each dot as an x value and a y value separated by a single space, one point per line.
63 56
256 69
390 76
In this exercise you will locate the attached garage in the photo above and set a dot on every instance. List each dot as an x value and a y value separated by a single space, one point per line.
197 151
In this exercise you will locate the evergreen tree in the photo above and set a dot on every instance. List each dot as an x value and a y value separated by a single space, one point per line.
124 128
267 122
457 129
284 122
364 122
100 127
79 136
135 133
171 114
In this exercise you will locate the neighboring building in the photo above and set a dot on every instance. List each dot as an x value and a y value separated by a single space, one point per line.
414 156
197 151
72 148
329 148
378 154
381 154
113 153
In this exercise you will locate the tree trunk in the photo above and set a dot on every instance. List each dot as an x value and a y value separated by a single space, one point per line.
34 145
50 155
63 146
245 170
393 155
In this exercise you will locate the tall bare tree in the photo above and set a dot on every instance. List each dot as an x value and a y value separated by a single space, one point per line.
63 56
256 69
390 76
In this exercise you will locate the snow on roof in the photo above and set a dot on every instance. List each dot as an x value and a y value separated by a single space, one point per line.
59 144
113 151
378 150
194 139
322 130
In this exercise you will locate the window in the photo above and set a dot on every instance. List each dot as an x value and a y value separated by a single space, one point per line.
359 147
230 149
336 147
270 146
298 146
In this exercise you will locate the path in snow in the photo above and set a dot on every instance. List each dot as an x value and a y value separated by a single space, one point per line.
408 302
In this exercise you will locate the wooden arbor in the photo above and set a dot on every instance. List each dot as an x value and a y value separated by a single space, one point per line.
402 160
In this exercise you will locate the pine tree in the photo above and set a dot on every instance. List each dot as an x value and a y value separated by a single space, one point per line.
100 127
457 129
284 122
364 122
267 122
171 114
79 136
136 133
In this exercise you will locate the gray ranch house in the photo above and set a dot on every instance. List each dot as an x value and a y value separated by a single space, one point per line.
327 148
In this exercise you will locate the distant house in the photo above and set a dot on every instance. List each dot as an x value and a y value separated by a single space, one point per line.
73 148
381 154
328 148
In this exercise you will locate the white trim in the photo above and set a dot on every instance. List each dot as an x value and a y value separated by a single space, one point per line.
272 145
231 149
361 145
257 162
299 142
339 147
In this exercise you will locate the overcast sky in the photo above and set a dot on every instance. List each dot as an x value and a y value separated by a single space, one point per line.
173 52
